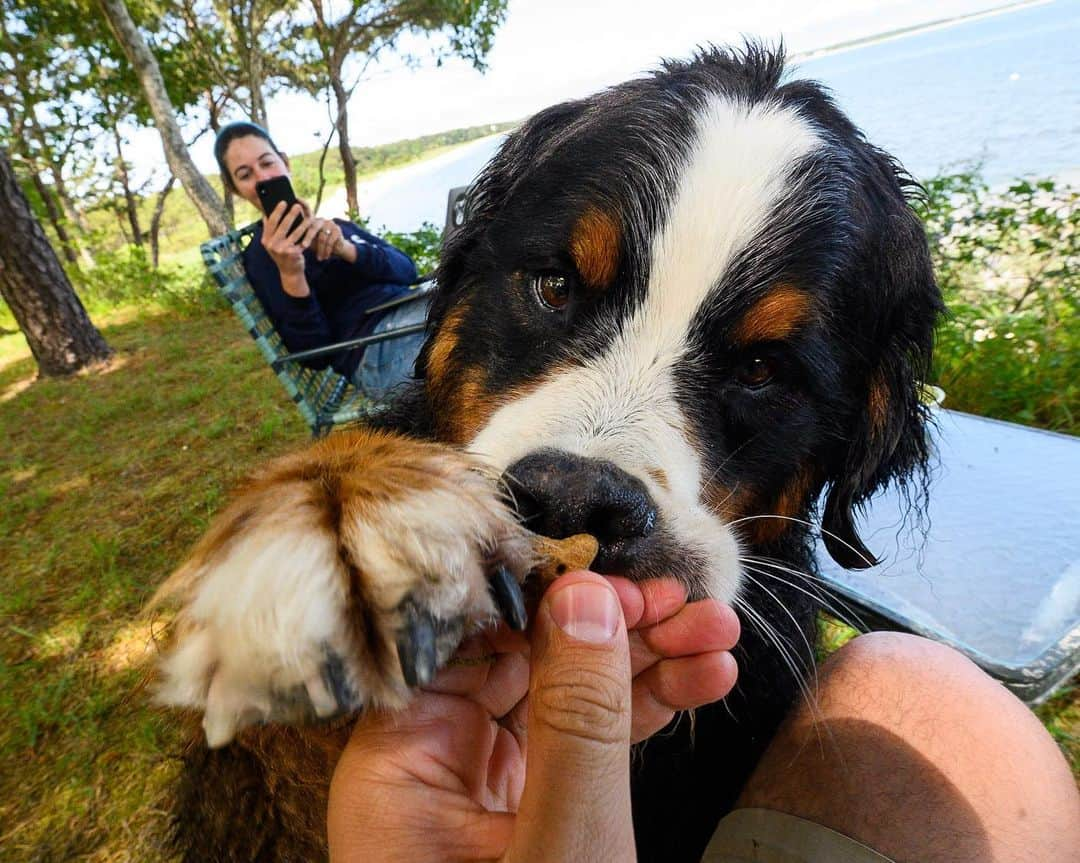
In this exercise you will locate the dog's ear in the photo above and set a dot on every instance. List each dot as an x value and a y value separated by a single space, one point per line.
894 306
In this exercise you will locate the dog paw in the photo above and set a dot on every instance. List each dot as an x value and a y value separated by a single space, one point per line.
339 578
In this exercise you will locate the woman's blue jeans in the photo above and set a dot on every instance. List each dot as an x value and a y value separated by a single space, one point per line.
389 363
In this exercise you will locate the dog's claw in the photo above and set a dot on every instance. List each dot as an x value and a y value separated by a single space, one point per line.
416 646
230 709
336 679
322 700
508 597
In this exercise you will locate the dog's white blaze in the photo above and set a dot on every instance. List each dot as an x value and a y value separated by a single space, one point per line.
622 406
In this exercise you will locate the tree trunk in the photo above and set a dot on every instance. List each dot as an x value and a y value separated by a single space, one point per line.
322 169
230 204
214 109
255 88
35 287
155 222
56 218
348 163
131 205
57 204
74 216
253 60
202 194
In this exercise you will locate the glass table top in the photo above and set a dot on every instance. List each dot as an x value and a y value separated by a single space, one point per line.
994 566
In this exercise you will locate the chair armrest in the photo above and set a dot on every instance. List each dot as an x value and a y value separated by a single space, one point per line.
428 287
328 350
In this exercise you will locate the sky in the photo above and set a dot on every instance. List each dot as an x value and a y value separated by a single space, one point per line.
551 50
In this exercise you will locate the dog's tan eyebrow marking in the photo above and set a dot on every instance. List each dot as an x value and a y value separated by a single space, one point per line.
775 316
460 390
595 247
470 407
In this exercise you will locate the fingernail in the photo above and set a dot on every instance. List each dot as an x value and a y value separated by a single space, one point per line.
587 612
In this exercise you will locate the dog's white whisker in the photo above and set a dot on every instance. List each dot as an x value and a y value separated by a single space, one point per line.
810 524
773 638
810 667
832 603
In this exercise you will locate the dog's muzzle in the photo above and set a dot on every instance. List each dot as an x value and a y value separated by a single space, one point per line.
558 494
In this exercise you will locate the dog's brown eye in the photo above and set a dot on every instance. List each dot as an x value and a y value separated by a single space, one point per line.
552 289
756 372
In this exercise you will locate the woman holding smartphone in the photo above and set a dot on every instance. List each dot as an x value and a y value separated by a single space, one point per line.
318 277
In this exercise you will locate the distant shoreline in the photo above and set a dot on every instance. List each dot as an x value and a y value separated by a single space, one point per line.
890 35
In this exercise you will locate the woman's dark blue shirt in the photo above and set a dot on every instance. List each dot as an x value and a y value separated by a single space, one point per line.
340 293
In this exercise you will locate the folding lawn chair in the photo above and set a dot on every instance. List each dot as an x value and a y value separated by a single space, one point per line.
323 397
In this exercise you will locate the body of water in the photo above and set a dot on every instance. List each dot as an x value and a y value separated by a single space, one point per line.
1001 92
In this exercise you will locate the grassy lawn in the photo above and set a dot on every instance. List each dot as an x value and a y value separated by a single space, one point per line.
107 480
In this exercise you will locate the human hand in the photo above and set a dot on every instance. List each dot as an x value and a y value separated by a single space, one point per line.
286 245
329 241
285 236
441 780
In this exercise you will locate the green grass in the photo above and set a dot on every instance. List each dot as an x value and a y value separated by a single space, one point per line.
107 480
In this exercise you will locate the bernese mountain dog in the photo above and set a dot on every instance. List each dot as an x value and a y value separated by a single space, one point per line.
678 314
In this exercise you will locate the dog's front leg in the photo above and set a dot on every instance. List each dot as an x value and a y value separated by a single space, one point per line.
337 578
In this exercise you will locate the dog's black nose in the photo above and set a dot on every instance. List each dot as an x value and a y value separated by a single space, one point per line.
558 495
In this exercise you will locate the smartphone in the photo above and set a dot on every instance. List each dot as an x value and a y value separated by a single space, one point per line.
272 192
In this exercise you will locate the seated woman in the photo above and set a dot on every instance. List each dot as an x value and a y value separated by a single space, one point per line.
317 278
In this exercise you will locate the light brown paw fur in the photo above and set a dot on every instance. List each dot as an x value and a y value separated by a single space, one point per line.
325 567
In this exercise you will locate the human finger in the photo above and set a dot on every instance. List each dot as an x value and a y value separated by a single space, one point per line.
272 221
316 233
496 682
662 597
576 800
696 628
630 598
326 240
641 655
299 225
679 684
312 226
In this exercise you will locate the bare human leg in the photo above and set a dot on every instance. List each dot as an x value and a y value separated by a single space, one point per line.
913 750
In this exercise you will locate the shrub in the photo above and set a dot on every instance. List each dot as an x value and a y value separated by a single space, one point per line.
422 245
1007 262
126 277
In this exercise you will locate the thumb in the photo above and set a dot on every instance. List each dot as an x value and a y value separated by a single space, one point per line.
576 800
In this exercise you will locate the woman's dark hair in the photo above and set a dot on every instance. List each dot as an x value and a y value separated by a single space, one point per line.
228 134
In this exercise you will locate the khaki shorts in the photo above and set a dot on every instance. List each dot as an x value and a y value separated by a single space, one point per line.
765 836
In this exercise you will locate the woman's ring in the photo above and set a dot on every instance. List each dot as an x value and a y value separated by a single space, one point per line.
326 230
